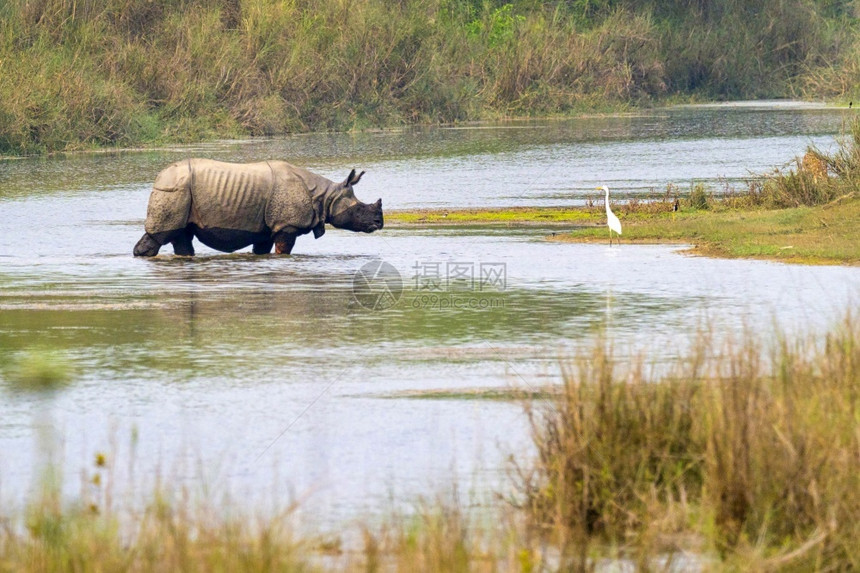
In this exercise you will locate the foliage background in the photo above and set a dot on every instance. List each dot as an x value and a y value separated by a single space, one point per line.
87 73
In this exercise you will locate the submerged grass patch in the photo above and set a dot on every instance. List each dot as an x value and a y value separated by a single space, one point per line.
502 216
501 394
37 370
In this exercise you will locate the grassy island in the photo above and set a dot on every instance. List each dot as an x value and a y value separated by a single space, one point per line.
808 214
824 234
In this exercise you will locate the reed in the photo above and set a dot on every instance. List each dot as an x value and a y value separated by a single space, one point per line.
174 532
817 178
740 452
166 538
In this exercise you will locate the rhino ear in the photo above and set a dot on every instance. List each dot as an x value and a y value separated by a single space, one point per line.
353 179
379 203
319 230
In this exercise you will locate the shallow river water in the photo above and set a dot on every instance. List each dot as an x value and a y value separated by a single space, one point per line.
269 378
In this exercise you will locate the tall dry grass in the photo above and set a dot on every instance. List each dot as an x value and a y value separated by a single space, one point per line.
742 454
83 73
816 178
177 533
163 540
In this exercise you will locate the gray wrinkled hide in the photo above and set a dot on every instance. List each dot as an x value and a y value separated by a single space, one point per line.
245 197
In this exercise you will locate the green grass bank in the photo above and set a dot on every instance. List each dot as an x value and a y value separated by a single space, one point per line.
828 234
808 213
824 234
117 73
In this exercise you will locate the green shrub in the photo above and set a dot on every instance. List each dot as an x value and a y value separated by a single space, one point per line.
81 73
699 197
818 178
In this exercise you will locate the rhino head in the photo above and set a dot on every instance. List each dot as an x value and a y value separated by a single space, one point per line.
344 211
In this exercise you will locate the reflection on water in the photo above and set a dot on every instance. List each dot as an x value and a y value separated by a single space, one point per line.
249 325
262 373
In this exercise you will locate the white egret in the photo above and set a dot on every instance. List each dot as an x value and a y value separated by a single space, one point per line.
611 220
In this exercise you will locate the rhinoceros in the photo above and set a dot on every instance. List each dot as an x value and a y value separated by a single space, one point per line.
228 206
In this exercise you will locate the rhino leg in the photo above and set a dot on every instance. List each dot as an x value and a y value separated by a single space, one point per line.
182 243
147 246
263 247
284 243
